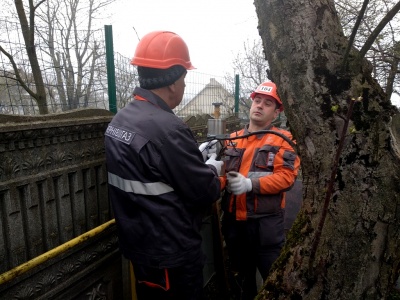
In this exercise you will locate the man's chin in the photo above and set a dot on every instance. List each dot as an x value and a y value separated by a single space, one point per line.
257 118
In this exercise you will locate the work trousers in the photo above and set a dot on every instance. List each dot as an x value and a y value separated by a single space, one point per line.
255 243
179 283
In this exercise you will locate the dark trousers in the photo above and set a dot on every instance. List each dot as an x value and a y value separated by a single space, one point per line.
252 244
180 283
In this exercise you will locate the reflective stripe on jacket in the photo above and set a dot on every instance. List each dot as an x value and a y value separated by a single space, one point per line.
158 184
272 165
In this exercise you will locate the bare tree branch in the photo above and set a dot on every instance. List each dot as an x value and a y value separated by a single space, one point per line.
353 34
18 77
389 16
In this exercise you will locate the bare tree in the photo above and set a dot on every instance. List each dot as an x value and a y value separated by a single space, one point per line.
384 53
345 243
28 32
64 51
74 48
14 98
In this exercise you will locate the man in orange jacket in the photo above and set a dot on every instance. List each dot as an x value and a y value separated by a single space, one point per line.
260 169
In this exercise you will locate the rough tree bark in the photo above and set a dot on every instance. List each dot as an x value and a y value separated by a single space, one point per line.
354 253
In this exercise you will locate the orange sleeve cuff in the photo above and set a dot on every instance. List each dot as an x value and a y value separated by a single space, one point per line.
222 180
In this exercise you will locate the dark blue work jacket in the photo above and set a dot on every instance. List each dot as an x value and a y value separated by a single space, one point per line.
158 184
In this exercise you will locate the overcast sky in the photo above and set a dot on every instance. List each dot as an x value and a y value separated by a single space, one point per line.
214 30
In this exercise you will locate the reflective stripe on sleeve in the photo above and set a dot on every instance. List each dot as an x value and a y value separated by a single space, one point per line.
138 187
258 174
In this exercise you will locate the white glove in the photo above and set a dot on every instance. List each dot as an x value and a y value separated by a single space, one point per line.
207 148
216 163
238 184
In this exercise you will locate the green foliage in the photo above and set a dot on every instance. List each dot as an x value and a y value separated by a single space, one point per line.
334 108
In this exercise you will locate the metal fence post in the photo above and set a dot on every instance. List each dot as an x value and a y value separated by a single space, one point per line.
112 95
237 95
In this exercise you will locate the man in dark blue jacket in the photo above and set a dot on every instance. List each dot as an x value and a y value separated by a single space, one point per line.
159 185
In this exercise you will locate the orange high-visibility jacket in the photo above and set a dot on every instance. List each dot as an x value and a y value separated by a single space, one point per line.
271 164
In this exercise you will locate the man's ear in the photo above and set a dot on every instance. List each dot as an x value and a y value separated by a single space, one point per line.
172 87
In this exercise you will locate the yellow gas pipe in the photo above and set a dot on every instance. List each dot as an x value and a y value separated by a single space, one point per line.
25 267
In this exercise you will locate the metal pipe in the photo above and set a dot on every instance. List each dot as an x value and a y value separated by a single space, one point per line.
237 89
25 267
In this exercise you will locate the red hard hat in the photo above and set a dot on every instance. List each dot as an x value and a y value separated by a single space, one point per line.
268 88
161 50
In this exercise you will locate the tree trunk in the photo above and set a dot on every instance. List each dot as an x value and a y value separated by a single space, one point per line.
345 243
28 34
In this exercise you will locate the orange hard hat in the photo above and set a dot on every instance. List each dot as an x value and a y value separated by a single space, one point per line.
268 88
161 50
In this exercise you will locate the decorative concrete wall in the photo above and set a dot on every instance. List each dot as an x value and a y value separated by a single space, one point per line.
52 181
53 188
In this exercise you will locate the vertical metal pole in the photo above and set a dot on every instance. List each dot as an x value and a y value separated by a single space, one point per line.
112 94
216 127
236 95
